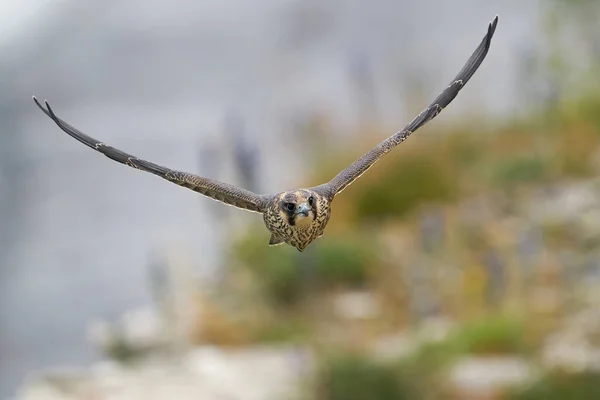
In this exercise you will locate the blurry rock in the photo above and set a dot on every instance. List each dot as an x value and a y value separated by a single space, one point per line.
204 373
564 203
42 391
575 347
402 344
393 347
572 356
59 384
254 373
139 332
434 329
109 374
487 377
144 327
357 305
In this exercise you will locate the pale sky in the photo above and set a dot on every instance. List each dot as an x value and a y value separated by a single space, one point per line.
16 14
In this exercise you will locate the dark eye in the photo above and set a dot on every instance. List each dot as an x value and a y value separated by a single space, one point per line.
311 200
290 206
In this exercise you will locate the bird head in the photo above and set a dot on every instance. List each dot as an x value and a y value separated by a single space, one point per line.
298 208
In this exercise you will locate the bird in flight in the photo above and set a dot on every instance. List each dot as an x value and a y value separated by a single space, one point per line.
296 217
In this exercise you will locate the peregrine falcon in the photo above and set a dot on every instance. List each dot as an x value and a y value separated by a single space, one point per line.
296 217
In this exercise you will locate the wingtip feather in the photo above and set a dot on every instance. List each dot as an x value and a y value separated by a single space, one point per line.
493 23
50 112
491 30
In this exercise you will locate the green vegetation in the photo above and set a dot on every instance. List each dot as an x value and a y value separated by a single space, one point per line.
374 239
559 386
516 170
407 183
492 335
284 330
285 274
354 377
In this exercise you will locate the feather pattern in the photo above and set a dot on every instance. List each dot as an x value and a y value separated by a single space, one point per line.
299 216
223 192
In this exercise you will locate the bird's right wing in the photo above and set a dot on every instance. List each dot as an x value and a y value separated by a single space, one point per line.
360 166
219 191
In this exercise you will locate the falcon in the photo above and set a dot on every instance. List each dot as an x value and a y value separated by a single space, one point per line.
296 217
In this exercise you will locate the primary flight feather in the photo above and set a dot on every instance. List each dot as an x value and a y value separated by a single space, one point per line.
296 217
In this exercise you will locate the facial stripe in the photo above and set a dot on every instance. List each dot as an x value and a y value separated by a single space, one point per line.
314 207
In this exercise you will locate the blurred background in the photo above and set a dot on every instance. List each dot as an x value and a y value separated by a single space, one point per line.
463 266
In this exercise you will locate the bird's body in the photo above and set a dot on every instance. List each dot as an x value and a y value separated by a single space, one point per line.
296 217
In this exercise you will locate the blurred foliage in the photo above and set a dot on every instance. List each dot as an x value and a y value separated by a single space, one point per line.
344 260
491 335
284 273
408 183
419 374
582 111
289 330
518 170
559 386
463 163
426 367
124 351
354 377
377 223
559 235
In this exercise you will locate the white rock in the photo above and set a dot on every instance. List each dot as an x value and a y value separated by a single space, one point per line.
258 373
357 305
434 329
40 391
486 375
143 327
567 356
205 373
394 346
568 203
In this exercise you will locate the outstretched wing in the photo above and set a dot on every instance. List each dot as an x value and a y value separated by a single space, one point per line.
219 191
360 166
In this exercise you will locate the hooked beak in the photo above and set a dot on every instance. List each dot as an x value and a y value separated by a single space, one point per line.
303 209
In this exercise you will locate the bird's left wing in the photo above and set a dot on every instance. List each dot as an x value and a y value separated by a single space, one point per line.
216 190
360 166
